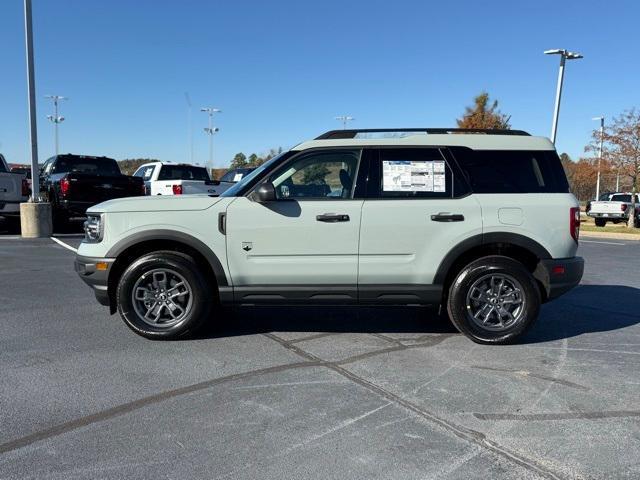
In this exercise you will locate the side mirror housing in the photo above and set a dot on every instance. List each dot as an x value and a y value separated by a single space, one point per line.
266 193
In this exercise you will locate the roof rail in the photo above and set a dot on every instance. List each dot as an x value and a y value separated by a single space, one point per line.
352 133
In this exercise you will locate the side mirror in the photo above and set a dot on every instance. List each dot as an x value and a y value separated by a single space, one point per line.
266 193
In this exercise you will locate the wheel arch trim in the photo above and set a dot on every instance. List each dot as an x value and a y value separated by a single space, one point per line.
173 236
479 240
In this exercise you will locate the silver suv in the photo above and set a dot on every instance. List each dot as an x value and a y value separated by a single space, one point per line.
478 222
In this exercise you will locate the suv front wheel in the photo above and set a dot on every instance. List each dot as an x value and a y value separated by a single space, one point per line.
493 300
163 295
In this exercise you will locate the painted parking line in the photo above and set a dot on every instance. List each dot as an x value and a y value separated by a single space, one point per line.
604 243
62 244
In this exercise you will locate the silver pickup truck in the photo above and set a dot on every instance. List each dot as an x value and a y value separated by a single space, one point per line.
14 189
613 207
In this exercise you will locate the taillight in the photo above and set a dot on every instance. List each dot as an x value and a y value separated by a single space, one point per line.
574 222
26 191
623 207
177 189
65 186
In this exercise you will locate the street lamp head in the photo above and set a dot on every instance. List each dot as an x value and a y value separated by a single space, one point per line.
565 53
598 118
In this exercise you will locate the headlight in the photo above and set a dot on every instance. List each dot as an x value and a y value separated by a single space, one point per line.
94 228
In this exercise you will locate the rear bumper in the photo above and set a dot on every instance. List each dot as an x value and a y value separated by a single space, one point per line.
10 208
613 215
560 275
98 280
73 207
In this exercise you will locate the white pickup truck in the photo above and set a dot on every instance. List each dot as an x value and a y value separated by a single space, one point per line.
614 207
168 178
14 189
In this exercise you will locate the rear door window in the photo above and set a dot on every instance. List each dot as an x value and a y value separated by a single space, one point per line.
413 173
511 171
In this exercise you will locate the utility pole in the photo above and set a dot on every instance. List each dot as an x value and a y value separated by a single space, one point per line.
564 55
600 155
55 118
211 130
344 119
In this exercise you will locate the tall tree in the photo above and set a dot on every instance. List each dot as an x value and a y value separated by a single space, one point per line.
484 114
252 161
239 161
621 148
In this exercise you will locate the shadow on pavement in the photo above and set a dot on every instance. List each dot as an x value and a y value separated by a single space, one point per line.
587 309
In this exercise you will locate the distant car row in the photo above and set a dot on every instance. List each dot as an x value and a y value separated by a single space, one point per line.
73 183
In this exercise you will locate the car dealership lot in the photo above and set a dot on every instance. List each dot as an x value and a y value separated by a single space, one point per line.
316 393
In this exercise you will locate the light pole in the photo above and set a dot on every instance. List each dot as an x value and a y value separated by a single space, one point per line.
599 154
55 118
33 131
564 55
344 119
211 130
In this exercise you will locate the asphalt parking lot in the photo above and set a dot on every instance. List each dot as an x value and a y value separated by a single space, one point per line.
333 393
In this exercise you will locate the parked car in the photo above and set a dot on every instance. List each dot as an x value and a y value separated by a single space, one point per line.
480 223
168 178
73 183
14 189
615 208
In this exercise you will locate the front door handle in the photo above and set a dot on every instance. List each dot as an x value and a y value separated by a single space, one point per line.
332 217
448 217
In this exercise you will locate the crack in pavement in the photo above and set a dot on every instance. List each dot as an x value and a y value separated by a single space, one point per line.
467 434
558 416
142 402
526 373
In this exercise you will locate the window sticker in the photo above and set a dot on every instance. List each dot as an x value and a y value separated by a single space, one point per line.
237 177
413 176
439 184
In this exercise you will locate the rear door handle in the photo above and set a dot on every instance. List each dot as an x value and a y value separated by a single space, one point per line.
332 217
448 217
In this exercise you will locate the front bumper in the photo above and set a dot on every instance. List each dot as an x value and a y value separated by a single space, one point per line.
559 275
95 275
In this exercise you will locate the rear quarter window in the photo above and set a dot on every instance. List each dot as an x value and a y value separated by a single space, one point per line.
512 171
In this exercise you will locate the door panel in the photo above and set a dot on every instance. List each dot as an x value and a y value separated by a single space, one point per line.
401 244
283 243
417 209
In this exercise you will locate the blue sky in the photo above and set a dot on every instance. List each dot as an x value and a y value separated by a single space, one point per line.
282 70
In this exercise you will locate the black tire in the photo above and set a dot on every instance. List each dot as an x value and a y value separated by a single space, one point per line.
12 224
600 222
471 280
144 270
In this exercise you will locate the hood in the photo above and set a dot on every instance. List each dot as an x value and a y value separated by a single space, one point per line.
157 203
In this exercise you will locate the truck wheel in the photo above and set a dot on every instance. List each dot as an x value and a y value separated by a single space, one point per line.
494 300
163 295
600 222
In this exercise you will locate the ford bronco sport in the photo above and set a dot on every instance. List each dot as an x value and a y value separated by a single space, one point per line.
478 222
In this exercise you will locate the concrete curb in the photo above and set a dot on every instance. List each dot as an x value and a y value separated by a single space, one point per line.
634 237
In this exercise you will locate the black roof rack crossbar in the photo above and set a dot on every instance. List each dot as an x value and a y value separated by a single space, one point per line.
351 133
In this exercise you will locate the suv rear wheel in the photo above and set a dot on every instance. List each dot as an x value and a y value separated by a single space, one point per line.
163 295
493 300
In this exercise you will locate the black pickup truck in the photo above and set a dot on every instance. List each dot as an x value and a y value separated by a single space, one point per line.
73 183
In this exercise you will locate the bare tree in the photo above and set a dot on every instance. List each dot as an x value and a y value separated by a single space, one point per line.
622 149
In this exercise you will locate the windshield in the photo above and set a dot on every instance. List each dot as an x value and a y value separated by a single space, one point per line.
246 180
